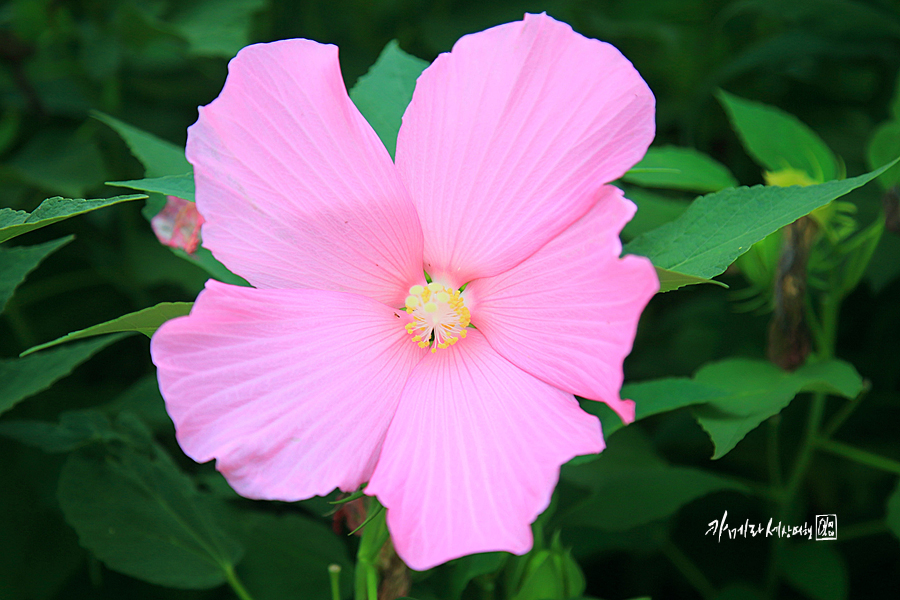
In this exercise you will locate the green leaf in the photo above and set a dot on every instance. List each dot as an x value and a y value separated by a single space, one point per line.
383 93
16 222
719 227
653 211
816 570
288 556
204 259
681 169
884 145
24 377
461 571
75 429
778 140
16 263
141 516
751 391
159 157
145 321
630 485
216 27
181 186
671 280
858 252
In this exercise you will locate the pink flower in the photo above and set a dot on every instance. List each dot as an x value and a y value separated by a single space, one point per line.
178 224
318 378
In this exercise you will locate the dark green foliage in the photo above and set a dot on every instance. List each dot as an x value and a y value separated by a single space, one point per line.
96 497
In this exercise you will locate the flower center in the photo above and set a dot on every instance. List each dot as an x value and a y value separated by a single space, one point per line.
440 316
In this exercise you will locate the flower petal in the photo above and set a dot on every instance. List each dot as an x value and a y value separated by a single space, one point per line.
473 455
291 391
508 138
296 189
568 313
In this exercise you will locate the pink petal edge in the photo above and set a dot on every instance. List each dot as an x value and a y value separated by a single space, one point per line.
569 313
508 138
473 455
290 391
295 186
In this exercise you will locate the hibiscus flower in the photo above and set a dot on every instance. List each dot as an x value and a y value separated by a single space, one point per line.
344 364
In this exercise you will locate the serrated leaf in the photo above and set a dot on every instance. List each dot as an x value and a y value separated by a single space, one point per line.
653 211
778 140
680 169
159 157
181 186
816 570
141 516
383 93
52 210
719 227
751 391
17 262
145 321
24 377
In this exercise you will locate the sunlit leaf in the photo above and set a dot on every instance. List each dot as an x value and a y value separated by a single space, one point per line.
671 280
383 93
778 140
719 227
181 186
653 210
145 321
16 222
685 169
17 262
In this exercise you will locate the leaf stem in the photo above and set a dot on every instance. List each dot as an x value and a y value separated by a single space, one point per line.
334 573
862 457
239 590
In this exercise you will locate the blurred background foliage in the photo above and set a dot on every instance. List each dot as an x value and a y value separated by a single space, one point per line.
150 63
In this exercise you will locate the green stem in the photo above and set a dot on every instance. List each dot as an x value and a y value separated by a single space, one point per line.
239 590
372 583
860 456
334 573
374 536
775 477
844 413
689 570
813 423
